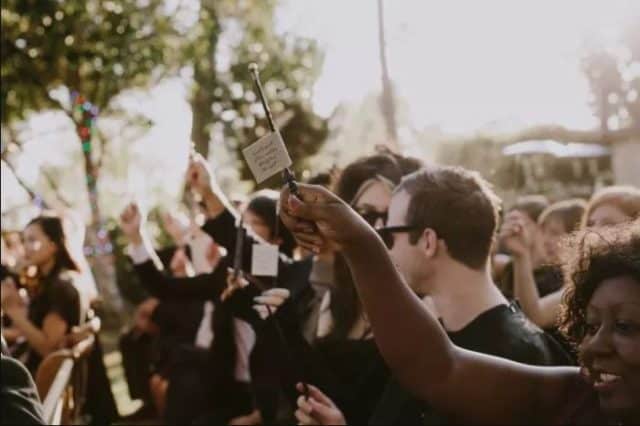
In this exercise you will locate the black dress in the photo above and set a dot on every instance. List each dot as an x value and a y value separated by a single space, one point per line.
56 293
359 376
349 371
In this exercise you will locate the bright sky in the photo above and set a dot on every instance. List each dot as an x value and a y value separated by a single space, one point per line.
461 64
457 64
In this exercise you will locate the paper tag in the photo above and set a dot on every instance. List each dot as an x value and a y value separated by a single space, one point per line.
264 260
267 156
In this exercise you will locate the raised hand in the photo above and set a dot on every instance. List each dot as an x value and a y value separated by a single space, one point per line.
515 235
143 314
13 304
269 301
318 409
319 220
204 251
176 226
234 282
198 175
131 223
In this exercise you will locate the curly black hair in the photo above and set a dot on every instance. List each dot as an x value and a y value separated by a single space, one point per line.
590 257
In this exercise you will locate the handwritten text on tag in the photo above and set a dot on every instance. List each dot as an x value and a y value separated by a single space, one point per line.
267 156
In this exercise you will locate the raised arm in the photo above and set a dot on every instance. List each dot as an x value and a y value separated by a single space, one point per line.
221 217
200 180
467 386
150 269
542 311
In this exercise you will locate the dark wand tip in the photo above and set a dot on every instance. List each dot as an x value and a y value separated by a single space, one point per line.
291 182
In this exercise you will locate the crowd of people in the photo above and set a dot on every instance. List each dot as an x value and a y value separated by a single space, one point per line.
391 292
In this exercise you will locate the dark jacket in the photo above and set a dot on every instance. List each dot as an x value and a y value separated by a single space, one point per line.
20 401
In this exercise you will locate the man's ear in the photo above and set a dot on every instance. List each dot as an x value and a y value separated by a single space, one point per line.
430 243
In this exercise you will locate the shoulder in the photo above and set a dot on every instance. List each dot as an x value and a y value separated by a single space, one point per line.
63 287
66 281
529 343
14 373
20 402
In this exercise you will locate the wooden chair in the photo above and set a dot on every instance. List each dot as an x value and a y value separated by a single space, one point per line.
61 377
52 381
81 332
81 341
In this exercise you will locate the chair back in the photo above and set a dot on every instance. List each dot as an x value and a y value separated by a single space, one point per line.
62 376
53 378
81 341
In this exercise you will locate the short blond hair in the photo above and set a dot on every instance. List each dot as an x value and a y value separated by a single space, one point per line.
624 197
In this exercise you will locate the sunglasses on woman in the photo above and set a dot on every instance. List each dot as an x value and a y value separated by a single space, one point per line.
373 216
386 233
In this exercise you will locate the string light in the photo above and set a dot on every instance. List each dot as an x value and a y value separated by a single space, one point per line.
85 115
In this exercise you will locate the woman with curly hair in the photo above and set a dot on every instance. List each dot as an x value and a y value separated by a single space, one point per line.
602 315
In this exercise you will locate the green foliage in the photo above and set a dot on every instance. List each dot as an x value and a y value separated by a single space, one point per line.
95 47
225 103
100 48
614 80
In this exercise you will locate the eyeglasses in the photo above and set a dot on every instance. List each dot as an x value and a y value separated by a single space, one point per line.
386 233
373 216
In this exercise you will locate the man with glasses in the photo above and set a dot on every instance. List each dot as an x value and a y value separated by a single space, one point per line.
440 229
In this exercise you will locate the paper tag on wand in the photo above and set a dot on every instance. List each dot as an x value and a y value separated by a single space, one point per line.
264 260
267 156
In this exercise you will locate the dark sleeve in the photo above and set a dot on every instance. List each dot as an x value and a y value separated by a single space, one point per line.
65 301
201 287
181 317
241 306
20 402
294 275
296 360
166 254
222 229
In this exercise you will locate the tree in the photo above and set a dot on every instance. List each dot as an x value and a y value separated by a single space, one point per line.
387 101
612 72
77 56
225 106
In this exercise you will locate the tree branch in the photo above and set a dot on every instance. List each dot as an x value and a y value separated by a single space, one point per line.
46 176
22 183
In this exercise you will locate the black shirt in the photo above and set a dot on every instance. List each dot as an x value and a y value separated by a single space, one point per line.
548 279
504 331
501 331
56 294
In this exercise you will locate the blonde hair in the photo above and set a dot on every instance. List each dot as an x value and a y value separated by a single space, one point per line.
624 197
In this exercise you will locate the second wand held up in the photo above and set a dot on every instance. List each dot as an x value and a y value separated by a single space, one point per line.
255 75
